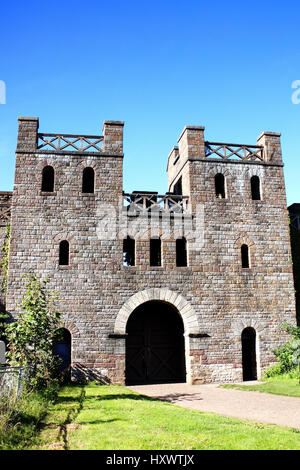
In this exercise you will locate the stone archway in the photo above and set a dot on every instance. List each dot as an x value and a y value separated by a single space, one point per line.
184 308
175 300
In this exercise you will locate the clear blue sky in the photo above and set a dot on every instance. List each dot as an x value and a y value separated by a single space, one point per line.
156 65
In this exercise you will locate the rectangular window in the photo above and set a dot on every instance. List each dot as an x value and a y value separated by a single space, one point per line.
128 252
64 249
178 187
181 252
155 252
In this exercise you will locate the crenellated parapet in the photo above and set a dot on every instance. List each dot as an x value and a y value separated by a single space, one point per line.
30 140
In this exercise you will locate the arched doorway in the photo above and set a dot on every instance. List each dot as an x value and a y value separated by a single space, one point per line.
249 354
62 349
155 350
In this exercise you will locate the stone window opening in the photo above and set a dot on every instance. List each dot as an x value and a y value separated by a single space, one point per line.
128 251
48 179
64 253
88 180
181 252
245 256
178 187
155 252
255 188
220 186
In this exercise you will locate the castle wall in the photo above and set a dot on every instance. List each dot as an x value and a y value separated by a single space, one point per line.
216 297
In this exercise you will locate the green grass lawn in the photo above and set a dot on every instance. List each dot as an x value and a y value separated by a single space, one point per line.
114 418
279 385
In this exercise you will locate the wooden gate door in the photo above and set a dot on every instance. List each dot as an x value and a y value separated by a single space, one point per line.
155 345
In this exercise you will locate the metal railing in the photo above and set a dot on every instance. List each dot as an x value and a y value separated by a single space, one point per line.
234 151
70 142
13 380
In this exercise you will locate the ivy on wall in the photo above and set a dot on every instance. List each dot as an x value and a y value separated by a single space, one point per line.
4 259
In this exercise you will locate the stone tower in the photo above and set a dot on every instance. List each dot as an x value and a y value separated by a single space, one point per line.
193 285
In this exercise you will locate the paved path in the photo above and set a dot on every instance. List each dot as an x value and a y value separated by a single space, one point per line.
253 406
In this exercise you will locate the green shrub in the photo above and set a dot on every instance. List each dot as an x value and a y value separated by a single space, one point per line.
272 371
286 354
31 336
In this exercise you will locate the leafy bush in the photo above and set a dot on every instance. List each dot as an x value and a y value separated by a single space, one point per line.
288 354
284 354
31 336
276 371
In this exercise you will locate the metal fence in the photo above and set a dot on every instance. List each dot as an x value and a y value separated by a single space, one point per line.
13 380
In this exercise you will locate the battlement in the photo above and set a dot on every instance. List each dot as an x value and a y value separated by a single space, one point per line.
192 145
193 152
30 140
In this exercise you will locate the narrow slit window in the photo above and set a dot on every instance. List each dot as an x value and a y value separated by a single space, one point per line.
155 252
128 252
220 186
181 252
255 188
48 179
245 256
88 180
64 253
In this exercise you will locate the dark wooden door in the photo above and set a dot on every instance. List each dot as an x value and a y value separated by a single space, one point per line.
155 345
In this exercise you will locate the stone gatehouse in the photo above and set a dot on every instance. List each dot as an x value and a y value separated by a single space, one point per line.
192 285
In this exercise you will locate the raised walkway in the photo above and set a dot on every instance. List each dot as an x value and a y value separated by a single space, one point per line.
252 406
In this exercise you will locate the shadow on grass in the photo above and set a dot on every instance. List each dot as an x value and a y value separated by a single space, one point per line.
170 398
72 414
123 396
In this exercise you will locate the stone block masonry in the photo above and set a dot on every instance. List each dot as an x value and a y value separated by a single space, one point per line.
216 298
